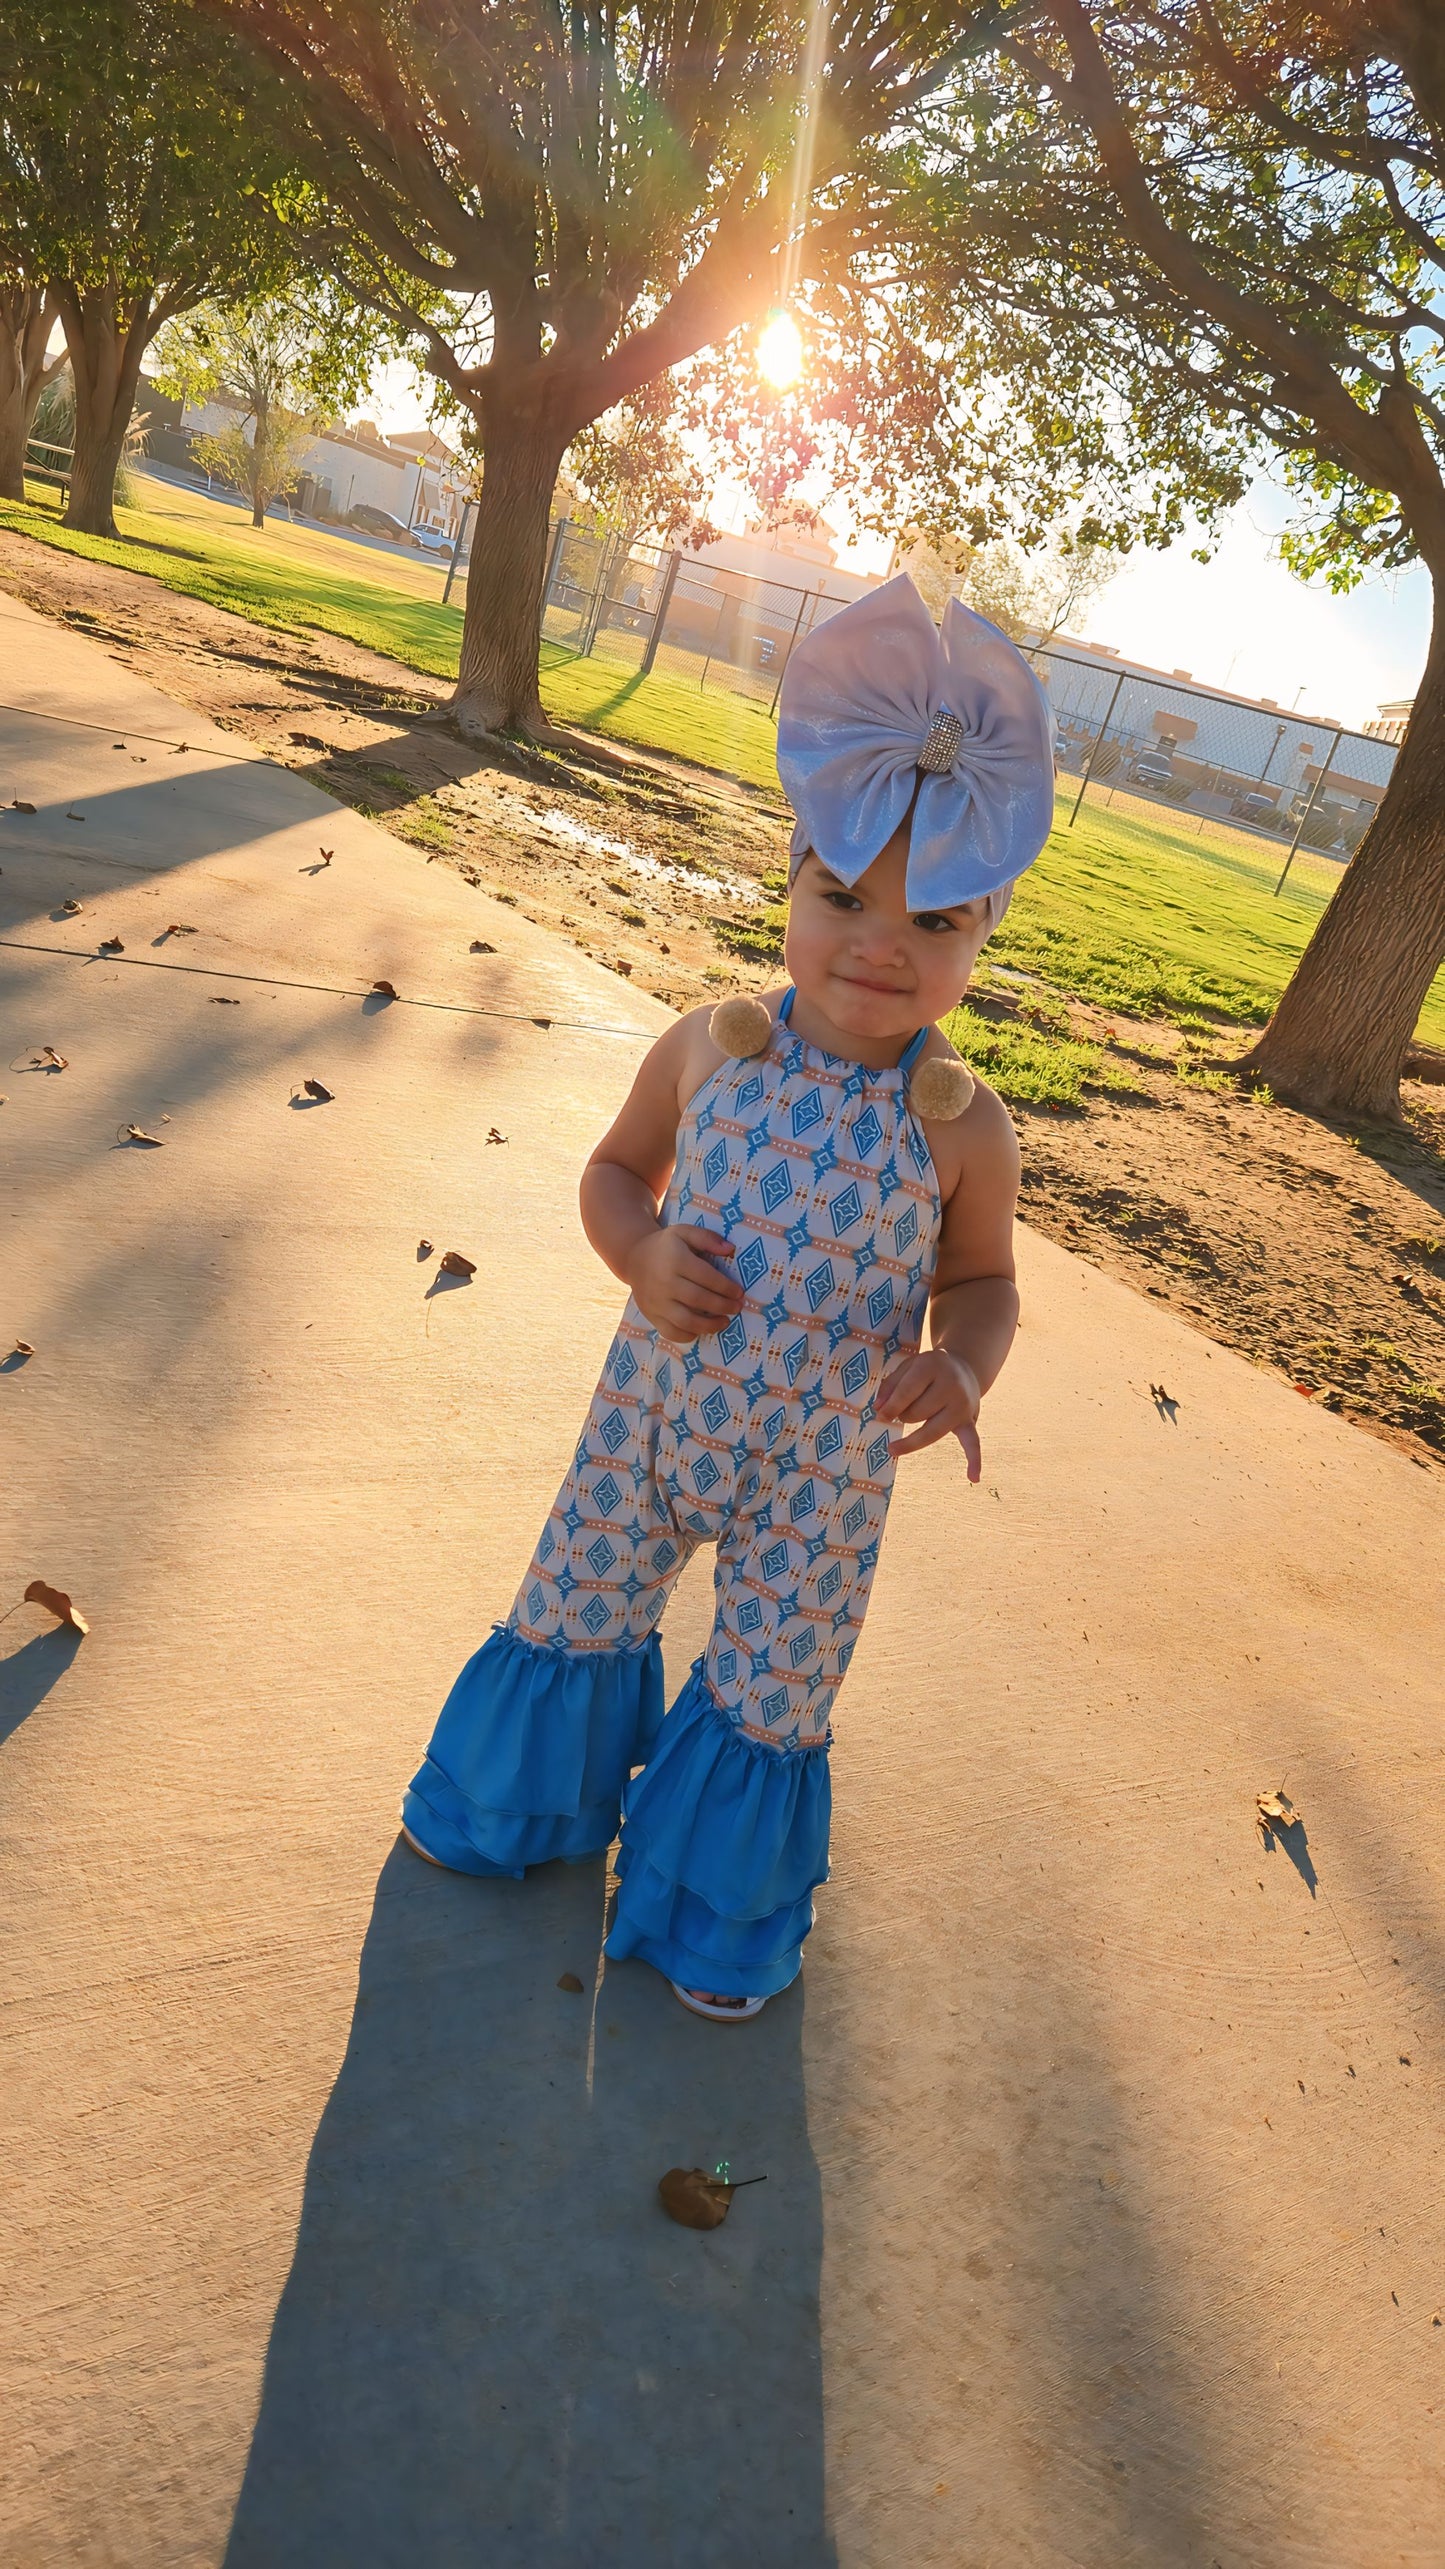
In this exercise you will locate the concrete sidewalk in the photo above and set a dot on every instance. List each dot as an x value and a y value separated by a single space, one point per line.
1103 2213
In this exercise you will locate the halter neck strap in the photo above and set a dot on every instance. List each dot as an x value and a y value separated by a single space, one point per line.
909 1057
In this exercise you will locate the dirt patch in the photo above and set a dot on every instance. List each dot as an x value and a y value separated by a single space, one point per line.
1317 1252
1314 1251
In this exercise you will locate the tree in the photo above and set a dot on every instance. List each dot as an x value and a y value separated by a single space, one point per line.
1029 596
287 363
634 471
27 319
602 191
136 180
1201 234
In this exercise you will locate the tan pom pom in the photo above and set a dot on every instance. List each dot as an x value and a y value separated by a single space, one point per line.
940 1089
741 1027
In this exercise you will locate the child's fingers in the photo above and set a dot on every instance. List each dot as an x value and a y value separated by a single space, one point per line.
710 1243
934 1428
703 1285
905 1383
968 1438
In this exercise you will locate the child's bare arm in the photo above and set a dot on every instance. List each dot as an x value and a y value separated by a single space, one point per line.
668 1270
974 1310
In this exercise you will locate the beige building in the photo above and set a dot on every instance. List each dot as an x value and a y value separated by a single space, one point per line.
416 478
1391 720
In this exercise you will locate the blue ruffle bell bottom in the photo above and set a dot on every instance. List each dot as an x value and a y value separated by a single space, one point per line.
724 1839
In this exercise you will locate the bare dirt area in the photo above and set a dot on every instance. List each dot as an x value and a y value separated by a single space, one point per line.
1315 1251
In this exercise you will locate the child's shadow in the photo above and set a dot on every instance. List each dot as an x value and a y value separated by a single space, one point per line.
493 2344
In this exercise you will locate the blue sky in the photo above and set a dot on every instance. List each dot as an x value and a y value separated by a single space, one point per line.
1244 621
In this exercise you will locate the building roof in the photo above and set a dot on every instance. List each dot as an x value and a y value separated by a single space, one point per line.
1067 645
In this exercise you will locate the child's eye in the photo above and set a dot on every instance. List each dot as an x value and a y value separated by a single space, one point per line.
842 901
935 923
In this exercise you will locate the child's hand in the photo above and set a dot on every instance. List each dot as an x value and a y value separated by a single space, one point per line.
941 1390
676 1286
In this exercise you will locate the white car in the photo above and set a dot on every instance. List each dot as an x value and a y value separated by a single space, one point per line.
430 539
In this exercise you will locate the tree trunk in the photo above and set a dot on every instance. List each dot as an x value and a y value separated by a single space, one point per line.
1338 1039
26 316
497 681
106 343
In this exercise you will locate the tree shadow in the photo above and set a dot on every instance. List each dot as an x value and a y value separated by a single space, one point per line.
28 1675
492 2342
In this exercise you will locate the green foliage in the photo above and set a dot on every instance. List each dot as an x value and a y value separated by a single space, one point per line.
1144 249
139 166
309 350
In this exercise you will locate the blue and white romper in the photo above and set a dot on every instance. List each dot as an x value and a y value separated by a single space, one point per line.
760 1439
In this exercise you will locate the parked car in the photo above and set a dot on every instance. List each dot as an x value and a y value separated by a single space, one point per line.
1262 809
376 521
1153 769
430 539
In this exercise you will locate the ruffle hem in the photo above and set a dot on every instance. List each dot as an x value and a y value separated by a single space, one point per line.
723 1843
532 1750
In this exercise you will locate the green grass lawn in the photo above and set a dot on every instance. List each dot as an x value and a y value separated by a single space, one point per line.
1139 910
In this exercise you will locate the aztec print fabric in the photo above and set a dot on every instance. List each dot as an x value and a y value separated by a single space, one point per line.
759 1438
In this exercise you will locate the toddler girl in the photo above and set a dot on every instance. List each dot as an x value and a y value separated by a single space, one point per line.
791 1183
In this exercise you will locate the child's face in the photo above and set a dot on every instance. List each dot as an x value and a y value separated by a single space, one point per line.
874 967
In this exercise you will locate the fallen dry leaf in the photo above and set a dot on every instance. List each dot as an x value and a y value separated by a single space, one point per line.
327 854
178 928
454 1264
423 1248
570 1981
314 1088
479 945
18 806
218 1002
70 907
111 945
494 1136
698 2201
57 1603
133 1133
386 989
1276 1810
23 1347
75 816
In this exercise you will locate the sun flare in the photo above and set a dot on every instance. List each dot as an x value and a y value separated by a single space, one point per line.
780 352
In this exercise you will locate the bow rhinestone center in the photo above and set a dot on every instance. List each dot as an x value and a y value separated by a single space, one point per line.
940 747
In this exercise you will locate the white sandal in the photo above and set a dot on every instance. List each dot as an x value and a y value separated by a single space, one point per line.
418 1849
734 2014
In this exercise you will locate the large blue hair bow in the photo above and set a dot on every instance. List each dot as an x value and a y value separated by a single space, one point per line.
877 703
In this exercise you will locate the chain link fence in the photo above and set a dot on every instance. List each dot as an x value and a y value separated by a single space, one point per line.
651 607
1266 779
1305 788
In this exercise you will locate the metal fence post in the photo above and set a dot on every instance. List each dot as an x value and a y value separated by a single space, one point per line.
1320 775
1094 752
553 559
659 612
611 548
803 597
457 552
